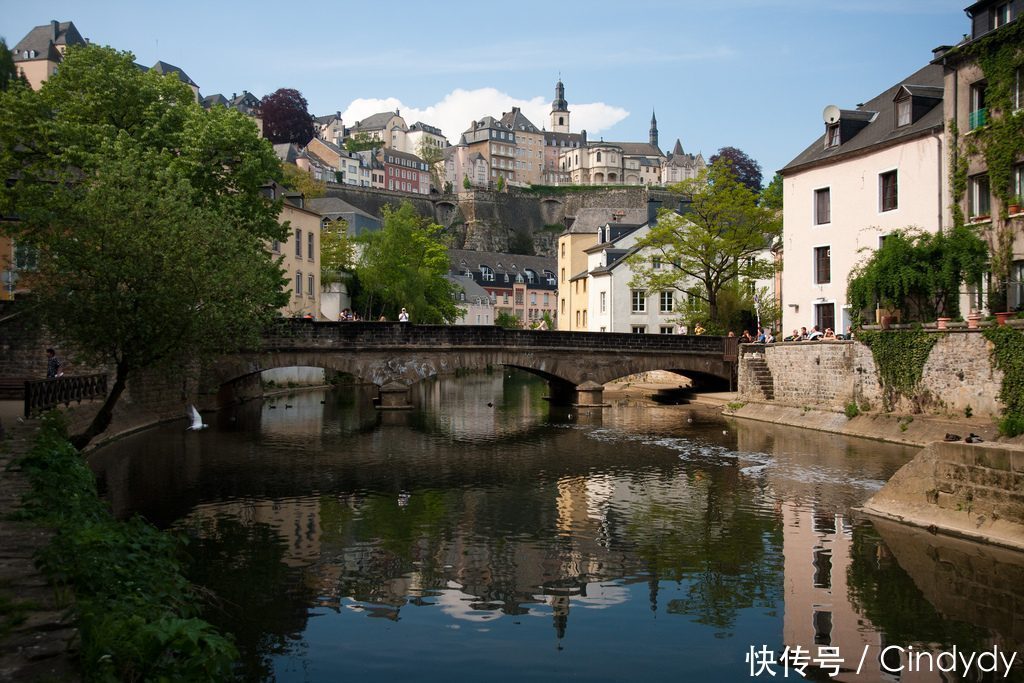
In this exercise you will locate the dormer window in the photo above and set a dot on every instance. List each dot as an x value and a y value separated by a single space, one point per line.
904 112
486 274
832 135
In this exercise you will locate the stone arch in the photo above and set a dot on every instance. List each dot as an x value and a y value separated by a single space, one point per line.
445 211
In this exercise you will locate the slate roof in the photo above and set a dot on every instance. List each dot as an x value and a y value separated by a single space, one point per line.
516 121
333 206
568 138
470 287
375 121
881 129
289 152
40 42
217 100
638 149
620 231
433 130
165 69
501 264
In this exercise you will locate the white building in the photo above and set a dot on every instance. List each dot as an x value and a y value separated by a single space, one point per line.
475 304
875 169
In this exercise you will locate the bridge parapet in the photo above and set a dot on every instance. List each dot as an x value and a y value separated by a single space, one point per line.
291 334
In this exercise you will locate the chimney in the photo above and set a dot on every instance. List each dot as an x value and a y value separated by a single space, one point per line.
940 51
338 114
234 95
684 205
583 138
54 29
652 210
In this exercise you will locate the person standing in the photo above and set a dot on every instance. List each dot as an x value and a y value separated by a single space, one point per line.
403 316
53 365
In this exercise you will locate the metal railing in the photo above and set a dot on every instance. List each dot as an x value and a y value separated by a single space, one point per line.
43 394
977 118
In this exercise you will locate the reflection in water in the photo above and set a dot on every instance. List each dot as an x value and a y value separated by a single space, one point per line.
485 532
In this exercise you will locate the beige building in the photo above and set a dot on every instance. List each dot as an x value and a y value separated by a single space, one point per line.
299 254
529 150
389 127
495 142
40 52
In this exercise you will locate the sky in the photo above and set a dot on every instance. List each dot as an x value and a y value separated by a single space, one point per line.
752 74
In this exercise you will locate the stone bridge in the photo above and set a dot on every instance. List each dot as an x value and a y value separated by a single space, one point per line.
396 355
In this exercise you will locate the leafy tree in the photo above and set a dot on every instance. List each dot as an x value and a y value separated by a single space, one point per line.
465 182
337 253
720 242
360 142
747 170
432 156
771 196
919 273
404 265
508 321
300 180
146 212
8 70
500 185
286 117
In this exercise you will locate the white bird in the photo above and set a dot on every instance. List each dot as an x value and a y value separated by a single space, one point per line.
196 418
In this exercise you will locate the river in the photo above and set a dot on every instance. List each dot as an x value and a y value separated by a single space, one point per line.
488 535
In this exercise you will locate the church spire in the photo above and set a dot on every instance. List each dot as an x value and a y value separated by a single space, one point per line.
654 130
560 110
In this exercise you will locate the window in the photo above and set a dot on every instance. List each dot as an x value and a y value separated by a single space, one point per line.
603 302
1018 185
656 263
298 243
311 287
599 156
298 284
666 329
832 135
310 240
486 274
275 246
822 627
978 196
1018 88
577 318
979 114
887 191
547 300
822 265
822 561
1015 288
533 298
822 206
1000 15
825 316
639 329
904 112
563 306
666 302
639 301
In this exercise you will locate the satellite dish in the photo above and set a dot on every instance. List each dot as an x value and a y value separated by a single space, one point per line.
831 114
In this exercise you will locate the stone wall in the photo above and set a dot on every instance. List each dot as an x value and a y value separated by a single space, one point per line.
831 374
974 490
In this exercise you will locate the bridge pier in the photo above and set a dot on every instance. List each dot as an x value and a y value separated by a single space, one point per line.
395 396
590 395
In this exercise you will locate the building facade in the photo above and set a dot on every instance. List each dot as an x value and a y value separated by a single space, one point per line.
875 169
520 286
38 55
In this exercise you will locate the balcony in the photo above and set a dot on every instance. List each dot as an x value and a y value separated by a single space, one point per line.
977 118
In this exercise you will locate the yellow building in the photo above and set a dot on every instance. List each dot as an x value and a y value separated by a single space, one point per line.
37 55
300 254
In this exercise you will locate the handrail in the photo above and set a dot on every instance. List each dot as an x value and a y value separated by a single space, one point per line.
43 394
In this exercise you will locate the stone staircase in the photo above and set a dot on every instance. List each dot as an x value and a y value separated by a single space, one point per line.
761 375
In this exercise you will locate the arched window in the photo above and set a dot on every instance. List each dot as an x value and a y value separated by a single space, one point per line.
486 273
599 156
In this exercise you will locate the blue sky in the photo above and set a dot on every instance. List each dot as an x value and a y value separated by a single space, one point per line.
754 74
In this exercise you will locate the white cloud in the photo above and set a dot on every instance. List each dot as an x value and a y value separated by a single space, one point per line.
458 108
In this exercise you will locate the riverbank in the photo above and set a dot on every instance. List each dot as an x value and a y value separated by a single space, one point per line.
36 634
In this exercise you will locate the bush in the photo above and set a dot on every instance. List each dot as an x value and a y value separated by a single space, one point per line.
137 614
852 410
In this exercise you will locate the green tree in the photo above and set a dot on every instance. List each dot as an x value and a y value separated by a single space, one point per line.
771 196
360 142
508 321
500 185
465 182
719 242
147 214
337 252
300 180
8 71
404 265
432 156
919 273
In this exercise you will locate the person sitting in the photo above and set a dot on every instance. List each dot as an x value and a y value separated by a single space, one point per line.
769 338
814 334
829 334
793 337
760 335
745 338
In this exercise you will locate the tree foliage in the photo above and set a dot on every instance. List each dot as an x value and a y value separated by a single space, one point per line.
337 252
8 70
919 273
720 242
146 212
362 141
432 156
771 195
403 265
747 170
286 117
300 180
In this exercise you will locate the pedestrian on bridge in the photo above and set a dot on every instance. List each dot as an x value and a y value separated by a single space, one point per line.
53 365
403 316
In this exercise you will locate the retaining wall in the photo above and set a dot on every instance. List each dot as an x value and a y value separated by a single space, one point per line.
958 375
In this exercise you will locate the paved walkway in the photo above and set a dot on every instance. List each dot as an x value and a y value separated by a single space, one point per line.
35 632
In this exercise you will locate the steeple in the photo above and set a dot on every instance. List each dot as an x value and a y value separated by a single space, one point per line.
560 110
654 130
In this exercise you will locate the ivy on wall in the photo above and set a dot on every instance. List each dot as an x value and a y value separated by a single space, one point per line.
1001 140
1008 356
900 356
